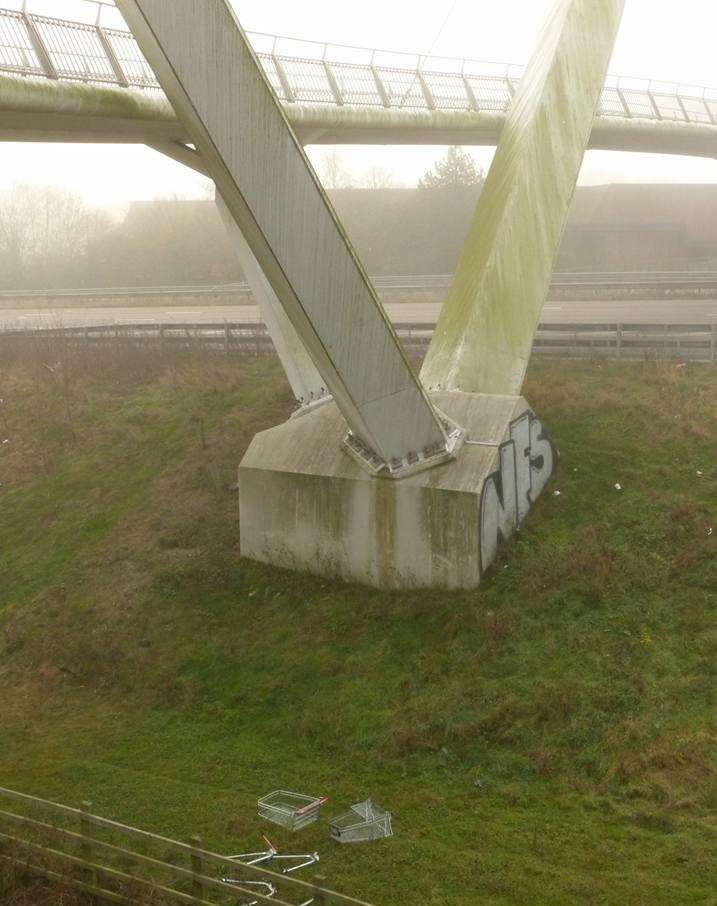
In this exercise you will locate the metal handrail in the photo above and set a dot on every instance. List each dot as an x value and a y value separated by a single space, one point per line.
322 73
706 280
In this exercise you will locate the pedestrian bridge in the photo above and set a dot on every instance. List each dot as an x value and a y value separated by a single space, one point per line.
84 82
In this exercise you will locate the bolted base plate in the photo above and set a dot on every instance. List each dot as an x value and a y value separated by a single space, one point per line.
306 504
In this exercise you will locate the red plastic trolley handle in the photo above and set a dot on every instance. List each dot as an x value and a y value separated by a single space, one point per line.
312 805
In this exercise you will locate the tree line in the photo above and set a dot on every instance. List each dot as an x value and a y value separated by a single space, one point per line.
52 239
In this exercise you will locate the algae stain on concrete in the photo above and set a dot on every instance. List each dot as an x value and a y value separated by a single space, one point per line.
382 514
484 335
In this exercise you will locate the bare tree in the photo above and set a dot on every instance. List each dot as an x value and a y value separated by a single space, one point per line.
333 173
44 234
377 177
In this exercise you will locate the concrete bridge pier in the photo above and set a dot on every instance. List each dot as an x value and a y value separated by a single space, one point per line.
306 505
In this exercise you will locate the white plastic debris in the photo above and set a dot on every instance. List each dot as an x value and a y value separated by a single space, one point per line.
699 473
618 486
556 493
709 531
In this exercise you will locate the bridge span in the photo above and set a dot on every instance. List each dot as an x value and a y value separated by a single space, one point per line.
83 82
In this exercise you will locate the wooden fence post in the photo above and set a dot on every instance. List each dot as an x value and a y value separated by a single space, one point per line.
197 867
713 344
227 337
86 848
619 341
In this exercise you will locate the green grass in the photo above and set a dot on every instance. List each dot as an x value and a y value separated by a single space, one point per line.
550 738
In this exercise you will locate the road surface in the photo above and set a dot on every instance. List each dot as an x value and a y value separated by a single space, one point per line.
659 311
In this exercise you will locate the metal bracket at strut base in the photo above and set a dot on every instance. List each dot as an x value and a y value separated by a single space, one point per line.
311 405
413 462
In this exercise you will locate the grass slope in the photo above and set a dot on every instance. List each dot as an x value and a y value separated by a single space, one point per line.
547 739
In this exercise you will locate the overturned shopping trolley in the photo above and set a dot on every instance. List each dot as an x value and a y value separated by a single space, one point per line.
291 810
272 858
365 821
269 857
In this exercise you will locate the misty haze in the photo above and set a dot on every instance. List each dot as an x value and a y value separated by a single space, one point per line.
358 453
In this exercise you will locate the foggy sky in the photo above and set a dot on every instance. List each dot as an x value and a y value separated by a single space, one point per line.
669 41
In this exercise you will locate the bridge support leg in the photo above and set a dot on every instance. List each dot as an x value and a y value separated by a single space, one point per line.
485 332
220 93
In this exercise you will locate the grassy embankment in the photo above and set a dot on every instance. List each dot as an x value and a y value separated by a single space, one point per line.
550 738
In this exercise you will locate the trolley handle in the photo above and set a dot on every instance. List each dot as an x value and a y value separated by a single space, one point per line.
311 806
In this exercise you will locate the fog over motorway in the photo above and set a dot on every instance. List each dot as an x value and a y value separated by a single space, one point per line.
658 311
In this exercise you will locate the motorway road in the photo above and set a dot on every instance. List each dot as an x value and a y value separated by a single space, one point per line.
660 311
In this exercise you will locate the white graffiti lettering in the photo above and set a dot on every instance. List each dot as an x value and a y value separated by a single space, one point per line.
527 461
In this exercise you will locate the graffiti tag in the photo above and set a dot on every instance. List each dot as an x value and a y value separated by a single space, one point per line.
526 462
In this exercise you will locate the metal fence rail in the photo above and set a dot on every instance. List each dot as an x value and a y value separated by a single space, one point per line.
114 863
685 342
309 72
667 281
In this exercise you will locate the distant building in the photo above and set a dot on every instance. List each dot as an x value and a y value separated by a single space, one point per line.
648 226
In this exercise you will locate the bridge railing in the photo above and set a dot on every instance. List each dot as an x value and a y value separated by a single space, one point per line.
309 72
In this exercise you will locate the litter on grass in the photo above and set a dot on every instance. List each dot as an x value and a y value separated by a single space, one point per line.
365 821
264 888
290 810
272 858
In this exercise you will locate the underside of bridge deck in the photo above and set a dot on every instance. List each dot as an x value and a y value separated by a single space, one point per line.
38 110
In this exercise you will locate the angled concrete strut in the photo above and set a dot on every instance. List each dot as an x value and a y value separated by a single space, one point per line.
485 333
214 82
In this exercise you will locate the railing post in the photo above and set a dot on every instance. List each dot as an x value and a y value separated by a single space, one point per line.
86 848
619 340
425 91
289 95
682 107
333 84
112 57
380 87
38 45
653 104
197 868
470 94
627 110
227 337
713 344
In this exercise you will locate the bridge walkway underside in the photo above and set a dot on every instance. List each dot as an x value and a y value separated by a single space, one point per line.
44 111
